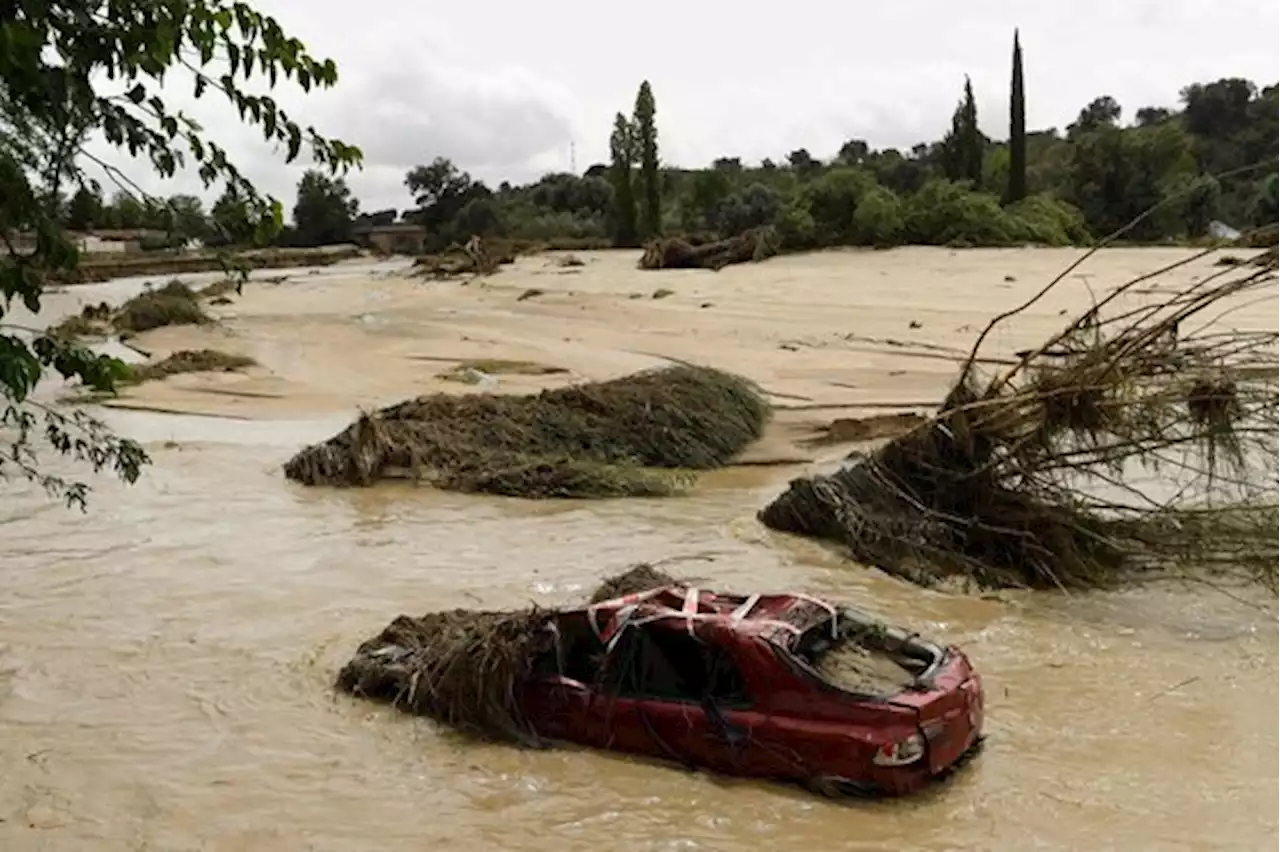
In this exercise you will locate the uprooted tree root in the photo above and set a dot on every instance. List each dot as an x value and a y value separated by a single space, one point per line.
673 253
639 435
476 258
464 667
1027 477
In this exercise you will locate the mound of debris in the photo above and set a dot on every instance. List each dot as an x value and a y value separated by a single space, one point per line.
475 258
674 253
1028 477
639 435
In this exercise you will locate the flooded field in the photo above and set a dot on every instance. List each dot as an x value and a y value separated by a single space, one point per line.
166 660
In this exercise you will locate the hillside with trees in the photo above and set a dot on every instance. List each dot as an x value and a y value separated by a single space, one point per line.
1212 159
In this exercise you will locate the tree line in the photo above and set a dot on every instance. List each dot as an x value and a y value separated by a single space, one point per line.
1213 159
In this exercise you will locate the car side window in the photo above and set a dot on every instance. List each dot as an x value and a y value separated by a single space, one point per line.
672 665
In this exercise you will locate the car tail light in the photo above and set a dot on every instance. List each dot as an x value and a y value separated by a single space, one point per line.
900 753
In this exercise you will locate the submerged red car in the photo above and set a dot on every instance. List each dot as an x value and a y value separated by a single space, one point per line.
771 686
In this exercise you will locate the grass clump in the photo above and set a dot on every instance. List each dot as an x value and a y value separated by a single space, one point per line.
173 304
639 435
189 361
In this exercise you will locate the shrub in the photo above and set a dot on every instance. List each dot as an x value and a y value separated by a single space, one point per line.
796 228
1049 221
944 212
832 201
878 219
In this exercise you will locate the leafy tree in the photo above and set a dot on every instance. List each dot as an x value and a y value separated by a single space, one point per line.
1017 188
1100 113
440 190
1267 201
1147 116
566 193
706 192
803 163
232 218
854 152
69 69
127 211
186 217
324 210
622 148
729 165
749 208
832 200
646 139
85 210
1118 174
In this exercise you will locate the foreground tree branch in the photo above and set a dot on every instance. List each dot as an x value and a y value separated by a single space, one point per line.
54 56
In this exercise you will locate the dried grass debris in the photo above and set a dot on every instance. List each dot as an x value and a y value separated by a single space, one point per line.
1075 466
640 435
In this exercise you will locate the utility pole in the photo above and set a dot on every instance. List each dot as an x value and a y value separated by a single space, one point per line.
573 158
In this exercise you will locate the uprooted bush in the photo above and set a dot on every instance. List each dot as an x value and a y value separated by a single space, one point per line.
1032 477
634 436
674 253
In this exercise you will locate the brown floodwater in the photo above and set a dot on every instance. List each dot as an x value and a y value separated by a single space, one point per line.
166 663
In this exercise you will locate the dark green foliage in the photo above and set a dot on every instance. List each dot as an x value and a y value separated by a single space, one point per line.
646 142
69 71
622 147
324 210
832 200
867 197
1017 187
964 146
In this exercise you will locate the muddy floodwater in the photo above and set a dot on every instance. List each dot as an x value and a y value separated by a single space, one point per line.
166 659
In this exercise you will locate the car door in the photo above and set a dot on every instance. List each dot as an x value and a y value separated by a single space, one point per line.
677 699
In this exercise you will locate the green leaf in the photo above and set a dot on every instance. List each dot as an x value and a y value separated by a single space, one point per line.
136 94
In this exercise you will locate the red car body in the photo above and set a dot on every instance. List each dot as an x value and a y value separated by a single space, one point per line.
722 682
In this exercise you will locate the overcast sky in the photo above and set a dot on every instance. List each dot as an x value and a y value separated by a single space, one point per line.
503 88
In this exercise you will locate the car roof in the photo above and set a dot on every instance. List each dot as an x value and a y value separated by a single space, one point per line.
779 618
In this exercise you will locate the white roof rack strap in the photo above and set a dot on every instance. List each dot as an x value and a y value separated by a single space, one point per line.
745 609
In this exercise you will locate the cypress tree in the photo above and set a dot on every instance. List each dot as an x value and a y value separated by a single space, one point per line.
646 133
971 141
963 146
1017 189
622 149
